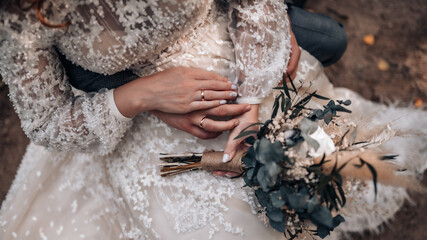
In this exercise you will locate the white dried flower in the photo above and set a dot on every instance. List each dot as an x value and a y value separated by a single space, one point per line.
326 145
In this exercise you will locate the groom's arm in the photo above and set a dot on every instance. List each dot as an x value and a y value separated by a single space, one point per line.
318 34
88 81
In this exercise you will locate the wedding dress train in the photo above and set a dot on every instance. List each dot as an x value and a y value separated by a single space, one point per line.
119 193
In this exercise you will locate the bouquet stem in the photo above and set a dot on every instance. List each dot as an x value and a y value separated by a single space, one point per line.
208 161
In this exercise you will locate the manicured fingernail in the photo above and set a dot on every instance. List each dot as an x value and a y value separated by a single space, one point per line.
236 123
233 87
225 158
248 108
223 102
233 94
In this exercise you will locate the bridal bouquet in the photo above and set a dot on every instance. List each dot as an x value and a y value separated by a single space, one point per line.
298 163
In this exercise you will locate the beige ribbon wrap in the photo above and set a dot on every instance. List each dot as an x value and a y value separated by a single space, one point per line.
212 161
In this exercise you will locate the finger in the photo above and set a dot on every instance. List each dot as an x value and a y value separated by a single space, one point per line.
225 174
216 95
199 105
201 74
228 110
230 148
231 174
232 145
218 173
218 126
216 85
202 134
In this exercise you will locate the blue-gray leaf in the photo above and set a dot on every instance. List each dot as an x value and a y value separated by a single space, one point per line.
322 231
268 152
250 173
312 204
323 216
279 226
276 215
273 169
276 199
308 127
337 220
262 178
310 141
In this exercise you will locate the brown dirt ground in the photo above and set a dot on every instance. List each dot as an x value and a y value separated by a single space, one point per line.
400 30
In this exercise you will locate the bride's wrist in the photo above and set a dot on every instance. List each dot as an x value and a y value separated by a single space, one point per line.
131 100
251 116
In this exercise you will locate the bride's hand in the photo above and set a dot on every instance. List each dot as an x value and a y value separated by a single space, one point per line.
176 90
190 122
245 120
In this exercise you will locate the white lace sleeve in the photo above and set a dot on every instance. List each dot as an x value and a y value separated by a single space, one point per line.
260 32
51 115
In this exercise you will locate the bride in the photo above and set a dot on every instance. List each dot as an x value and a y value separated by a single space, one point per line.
91 169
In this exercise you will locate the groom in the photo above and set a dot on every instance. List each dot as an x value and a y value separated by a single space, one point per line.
318 34
321 36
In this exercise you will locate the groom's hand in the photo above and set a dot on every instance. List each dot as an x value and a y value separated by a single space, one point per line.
210 128
295 56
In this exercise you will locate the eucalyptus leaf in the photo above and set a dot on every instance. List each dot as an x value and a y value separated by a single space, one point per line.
338 219
279 226
249 161
328 117
312 204
322 216
248 182
286 89
316 114
253 124
276 199
288 105
297 200
268 152
251 173
275 107
263 197
311 141
389 157
290 143
308 127
262 177
292 83
340 108
250 140
264 129
275 215
244 134
320 97
273 169
346 102
322 231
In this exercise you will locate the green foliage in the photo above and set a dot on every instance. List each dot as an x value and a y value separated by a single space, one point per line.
266 163
373 172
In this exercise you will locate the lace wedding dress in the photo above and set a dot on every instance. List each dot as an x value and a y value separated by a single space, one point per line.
90 173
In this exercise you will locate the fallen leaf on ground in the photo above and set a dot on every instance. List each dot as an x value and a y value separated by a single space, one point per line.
383 65
418 102
369 39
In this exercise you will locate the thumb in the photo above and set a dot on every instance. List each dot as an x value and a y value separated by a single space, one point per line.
230 149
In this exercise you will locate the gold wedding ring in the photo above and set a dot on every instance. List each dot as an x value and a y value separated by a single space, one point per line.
201 122
202 93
